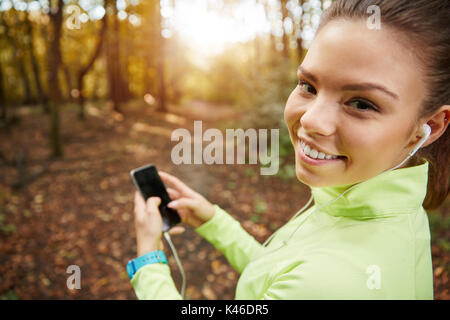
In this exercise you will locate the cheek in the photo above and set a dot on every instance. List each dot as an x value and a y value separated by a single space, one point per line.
366 143
292 111
289 117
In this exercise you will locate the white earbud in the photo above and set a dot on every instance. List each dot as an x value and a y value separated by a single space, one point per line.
426 131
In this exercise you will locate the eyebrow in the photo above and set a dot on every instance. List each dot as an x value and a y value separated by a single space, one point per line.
363 86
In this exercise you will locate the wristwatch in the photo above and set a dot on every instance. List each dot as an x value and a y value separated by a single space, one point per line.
134 265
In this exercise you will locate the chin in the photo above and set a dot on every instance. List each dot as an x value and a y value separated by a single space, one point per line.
311 179
307 178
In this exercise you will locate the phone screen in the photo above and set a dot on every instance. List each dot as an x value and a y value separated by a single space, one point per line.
149 183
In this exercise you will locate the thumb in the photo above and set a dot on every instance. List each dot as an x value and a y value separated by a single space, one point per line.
153 202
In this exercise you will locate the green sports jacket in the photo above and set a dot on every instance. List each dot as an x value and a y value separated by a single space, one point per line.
371 243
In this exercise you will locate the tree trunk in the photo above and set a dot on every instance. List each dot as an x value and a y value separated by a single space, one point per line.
44 34
54 61
162 94
18 61
68 78
285 14
125 47
85 69
113 57
3 111
34 64
298 37
23 75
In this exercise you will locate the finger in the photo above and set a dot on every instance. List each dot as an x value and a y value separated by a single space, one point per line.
138 199
176 230
173 194
183 203
153 204
139 204
175 183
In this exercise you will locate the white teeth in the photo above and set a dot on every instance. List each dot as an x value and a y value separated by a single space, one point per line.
313 153
307 149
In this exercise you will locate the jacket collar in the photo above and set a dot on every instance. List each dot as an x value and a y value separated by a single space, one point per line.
397 191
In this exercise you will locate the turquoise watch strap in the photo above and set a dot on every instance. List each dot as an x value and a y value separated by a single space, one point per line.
134 265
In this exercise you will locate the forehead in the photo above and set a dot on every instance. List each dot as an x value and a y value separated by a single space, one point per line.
348 51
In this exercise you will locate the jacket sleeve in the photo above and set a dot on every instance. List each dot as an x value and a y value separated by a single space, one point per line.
154 282
227 235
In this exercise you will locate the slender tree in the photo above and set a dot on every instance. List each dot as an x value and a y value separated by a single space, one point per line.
19 59
285 15
85 68
2 98
162 94
298 37
34 64
54 62
113 57
68 78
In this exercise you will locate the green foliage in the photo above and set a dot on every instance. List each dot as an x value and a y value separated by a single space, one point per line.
7 228
10 295
231 185
439 226
287 172
249 172
444 244
260 207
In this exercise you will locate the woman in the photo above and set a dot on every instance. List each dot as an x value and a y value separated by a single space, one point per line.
363 96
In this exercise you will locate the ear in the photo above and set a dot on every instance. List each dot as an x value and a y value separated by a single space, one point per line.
438 123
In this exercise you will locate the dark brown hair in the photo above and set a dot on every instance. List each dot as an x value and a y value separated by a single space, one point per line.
421 25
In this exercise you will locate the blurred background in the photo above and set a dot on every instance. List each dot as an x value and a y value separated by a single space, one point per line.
91 89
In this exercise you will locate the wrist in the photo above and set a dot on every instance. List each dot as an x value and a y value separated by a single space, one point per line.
152 257
210 215
145 247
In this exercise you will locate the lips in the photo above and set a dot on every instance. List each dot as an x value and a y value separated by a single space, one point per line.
319 149
315 162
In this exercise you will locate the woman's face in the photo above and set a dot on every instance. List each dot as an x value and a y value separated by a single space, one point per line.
358 98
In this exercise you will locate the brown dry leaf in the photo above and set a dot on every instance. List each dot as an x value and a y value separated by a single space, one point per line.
210 278
438 271
208 292
218 267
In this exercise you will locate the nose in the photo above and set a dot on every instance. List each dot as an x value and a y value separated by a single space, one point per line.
319 118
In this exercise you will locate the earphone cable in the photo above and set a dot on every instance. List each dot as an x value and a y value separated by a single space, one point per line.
284 242
174 251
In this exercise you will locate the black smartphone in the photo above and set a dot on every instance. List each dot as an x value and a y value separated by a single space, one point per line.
149 183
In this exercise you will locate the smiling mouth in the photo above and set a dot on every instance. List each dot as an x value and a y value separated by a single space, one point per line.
315 154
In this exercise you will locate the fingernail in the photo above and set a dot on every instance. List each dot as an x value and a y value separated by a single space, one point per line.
172 204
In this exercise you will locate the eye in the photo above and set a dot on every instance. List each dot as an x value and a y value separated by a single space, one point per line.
304 86
363 105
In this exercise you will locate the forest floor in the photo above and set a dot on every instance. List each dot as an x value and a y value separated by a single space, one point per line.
79 209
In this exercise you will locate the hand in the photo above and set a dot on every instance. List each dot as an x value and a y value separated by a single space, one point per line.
148 224
193 208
